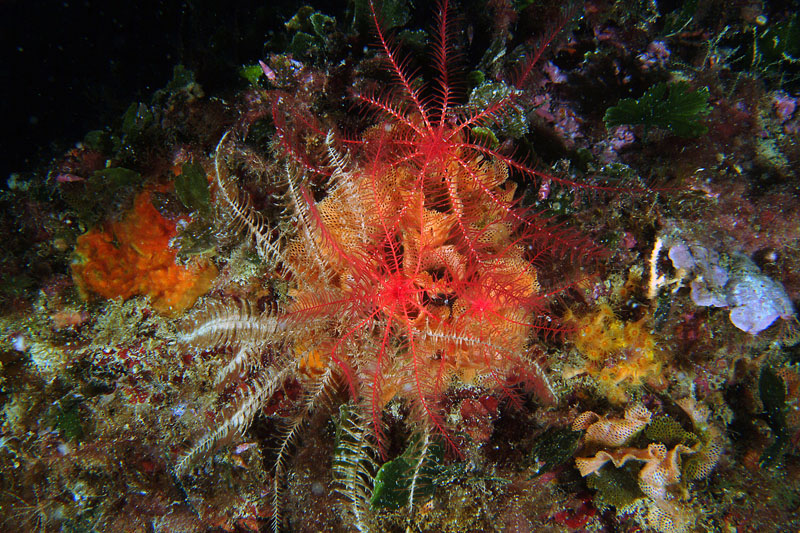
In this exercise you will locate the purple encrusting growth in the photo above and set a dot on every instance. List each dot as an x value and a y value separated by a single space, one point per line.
711 278
756 300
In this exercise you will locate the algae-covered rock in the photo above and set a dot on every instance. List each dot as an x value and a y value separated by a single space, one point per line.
615 487
553 448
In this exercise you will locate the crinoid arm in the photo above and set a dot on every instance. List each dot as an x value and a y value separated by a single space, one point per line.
245 406
404 482
234 323
243 216
238 326
354 464
420 454
316 394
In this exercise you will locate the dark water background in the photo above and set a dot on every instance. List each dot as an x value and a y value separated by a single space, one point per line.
67 67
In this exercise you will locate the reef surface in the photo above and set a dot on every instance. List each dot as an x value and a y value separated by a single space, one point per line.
475 266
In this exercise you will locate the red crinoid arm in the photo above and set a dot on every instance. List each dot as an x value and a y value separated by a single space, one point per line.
375 404
522 75
524 169
457 206
376 170
398 68
487 354
441 53
334 244
418 385
344 366
385 105
544 238
327 237
504 206
483 117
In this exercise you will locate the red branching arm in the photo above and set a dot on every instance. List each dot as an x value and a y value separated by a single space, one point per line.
441 52
399 67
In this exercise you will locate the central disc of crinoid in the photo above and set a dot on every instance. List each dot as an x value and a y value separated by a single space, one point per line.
399 295
434 146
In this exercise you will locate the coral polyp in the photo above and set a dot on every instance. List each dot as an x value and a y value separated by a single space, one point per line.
620 355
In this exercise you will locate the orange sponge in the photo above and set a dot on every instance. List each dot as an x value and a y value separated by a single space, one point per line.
132 257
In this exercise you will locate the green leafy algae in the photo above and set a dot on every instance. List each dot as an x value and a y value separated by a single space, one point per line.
65 416
392 14
301 44
486 137
191 186
251 73
670 106
102 191
417 467
514 123
312 32
137 118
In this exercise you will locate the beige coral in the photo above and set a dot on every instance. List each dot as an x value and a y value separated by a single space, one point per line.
590 465
613 432
662 467
669 517
662 471
661 478
711 437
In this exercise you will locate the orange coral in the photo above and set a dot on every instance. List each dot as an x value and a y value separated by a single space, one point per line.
619 354
132 257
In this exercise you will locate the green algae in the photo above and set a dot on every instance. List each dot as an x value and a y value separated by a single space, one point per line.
408 477
67 419
772 391
104 189
191 186
552 449
616 488
391 13
251 73
514 123
670 106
